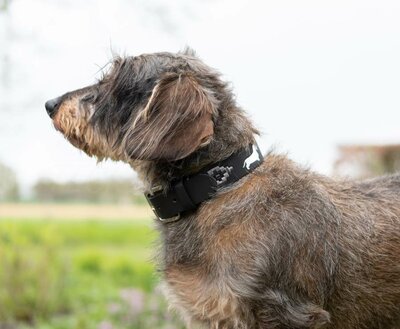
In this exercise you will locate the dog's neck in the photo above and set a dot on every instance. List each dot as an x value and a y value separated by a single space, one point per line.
233 131
161 173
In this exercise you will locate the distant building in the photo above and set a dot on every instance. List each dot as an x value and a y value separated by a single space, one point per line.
361 161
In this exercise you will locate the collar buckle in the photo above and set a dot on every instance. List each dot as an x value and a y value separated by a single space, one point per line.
158 189
155 189
170 219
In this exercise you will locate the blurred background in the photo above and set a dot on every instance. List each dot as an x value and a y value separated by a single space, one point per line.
321 80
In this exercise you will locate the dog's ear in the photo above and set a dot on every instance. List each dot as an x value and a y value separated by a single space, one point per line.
176 121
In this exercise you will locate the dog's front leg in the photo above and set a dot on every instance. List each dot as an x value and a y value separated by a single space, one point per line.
281 311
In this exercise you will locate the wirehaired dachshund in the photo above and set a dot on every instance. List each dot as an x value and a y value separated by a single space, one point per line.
248 241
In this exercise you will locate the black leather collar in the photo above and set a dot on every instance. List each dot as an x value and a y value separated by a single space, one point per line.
188 193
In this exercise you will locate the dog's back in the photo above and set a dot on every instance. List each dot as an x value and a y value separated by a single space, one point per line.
352 233
368 278
384 184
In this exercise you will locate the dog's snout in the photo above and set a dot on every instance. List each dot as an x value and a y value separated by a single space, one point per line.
52 106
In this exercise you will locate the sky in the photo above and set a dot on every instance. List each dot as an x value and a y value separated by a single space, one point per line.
310 74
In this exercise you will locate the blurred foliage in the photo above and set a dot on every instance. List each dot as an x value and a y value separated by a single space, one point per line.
79 275
387 163
4 4
9 189
32 275
111 191
369 160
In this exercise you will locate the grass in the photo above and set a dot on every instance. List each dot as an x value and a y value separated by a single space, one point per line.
80 274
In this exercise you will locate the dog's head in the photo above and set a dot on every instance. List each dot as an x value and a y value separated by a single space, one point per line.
158 106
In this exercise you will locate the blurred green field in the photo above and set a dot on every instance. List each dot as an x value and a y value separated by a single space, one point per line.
79 274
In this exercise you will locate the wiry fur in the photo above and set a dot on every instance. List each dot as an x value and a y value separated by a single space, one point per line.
283 247
155 124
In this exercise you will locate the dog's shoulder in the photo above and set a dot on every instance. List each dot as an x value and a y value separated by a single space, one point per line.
283 177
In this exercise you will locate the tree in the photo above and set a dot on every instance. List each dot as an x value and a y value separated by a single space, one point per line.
109 191
4 4
9 189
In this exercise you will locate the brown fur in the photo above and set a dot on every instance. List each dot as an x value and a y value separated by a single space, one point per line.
281 248
178 115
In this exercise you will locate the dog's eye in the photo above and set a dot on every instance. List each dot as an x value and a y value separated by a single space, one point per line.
89 98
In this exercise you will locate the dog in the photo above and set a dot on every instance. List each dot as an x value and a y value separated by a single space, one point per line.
248 242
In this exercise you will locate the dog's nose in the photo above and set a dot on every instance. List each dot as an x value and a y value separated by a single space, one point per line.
52 106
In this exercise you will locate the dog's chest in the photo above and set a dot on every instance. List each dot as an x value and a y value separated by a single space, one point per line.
211 292
201 299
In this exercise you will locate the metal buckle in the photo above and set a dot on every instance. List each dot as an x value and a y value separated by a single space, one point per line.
166 220
170 219
157 189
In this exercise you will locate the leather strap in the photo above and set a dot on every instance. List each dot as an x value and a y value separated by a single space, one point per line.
189 192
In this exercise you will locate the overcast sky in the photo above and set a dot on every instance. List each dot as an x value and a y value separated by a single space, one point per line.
311 74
